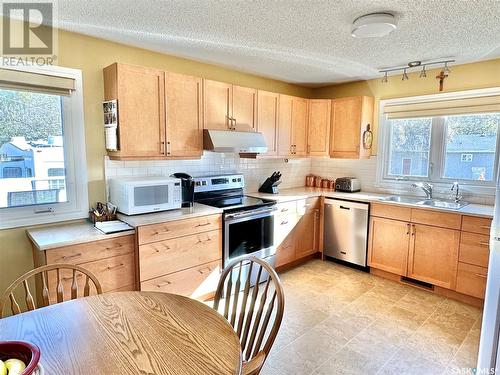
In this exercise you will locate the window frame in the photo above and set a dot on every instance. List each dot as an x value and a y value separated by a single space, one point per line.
437 150
77 204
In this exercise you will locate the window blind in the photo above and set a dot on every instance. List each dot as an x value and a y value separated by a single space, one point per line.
36 82
445 107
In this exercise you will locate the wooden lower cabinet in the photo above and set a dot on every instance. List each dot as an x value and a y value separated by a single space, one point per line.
182 256
471 280
111 260
433 255
388 245
197 282
297 230
447 250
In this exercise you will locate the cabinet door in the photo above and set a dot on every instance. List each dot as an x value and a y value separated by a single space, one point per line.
319 127
388 245
350 118
433 255
306 234
285 250
299 126
141 111
244 108
267 120
217 101
285 126
184 115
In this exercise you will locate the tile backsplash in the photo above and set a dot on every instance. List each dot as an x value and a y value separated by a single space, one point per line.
255 171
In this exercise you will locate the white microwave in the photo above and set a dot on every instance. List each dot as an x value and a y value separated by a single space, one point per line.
139 195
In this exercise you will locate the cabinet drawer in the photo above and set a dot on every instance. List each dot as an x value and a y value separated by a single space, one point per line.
474 249
287 208
113 273
283 226
91 251
474 224
435 218
194 282
164 257
178 228
307 205
389 211
471 280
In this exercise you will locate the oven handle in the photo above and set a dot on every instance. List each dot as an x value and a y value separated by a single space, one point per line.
239 215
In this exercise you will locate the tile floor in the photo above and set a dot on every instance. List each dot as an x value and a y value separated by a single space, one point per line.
342 321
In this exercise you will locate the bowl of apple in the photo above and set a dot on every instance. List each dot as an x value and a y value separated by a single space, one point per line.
18 358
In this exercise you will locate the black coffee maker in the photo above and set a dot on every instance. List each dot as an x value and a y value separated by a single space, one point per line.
187 184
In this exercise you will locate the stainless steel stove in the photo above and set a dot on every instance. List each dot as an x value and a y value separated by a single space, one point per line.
248 222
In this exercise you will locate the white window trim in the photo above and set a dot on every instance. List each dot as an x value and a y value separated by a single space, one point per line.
75 163
396 184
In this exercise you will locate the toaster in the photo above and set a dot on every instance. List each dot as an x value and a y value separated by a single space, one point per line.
347 184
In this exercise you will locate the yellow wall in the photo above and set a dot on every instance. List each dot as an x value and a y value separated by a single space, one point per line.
91 55
462 77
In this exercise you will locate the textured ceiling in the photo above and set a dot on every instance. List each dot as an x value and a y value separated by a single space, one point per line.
305 42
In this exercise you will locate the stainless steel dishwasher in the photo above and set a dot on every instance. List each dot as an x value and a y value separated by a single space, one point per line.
346 230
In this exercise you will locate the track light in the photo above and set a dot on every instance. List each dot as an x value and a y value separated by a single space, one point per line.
423 73
384 80
446 70
405 76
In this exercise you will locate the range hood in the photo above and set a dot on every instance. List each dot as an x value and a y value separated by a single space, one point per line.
234 142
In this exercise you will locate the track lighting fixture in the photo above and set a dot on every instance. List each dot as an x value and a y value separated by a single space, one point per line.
423 72
384 80
405 76
414 65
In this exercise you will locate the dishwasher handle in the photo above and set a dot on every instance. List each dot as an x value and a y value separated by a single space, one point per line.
346 205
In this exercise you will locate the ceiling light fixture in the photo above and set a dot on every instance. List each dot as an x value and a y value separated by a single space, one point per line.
416 64
374 25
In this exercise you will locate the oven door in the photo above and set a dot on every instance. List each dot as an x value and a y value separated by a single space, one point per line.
250 233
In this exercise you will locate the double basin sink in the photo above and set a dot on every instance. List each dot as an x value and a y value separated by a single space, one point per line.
439 203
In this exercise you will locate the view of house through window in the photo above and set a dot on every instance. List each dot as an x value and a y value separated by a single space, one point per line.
31 149
462 147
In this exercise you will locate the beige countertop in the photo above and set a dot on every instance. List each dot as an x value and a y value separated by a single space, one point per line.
291 194
66 234
164 216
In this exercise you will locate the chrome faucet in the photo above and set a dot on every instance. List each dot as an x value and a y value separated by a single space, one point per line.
426 187
456 187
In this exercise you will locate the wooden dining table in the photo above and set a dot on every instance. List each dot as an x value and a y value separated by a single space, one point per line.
129 333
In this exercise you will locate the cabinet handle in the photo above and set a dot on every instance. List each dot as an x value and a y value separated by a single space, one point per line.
414 230
407 228
66 257
484 244
162 148
109 268
308 149
284 222
485 227
165 283
203 225
482 276
168 148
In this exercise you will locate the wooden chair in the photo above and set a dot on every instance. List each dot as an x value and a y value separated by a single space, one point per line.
251 322
8 295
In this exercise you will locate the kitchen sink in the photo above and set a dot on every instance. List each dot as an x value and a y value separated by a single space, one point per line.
439 203
402 199
443 204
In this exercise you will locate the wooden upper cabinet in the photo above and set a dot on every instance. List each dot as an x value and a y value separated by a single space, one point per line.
285 126
319 127
184 115
267 120
388 245
244 112
350 119
433 255
140 93
217 105
299 126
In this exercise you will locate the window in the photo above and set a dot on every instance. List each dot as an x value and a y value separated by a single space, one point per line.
440 138
41 146
444 148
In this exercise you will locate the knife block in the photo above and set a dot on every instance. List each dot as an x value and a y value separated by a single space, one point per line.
269 186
